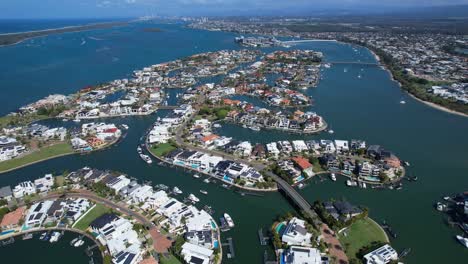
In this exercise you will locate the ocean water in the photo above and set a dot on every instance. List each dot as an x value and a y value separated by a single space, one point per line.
365 108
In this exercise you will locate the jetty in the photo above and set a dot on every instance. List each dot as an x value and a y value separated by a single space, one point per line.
229 243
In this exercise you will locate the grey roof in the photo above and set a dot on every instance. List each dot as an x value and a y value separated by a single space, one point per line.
5 192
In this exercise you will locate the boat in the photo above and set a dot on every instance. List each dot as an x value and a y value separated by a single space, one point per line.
255 128
125 126
300 186
77 120
229 220
139 150
55 237
359 76
327 65
206 180
244 126
65 120
162 187
441 206
407 163
74 241
463 240
196 176
333 177
216 125
176 190
345 70
331 131
193 198
364 185
351 183
402 102
78 243
43 236
146 158
204 192
27 236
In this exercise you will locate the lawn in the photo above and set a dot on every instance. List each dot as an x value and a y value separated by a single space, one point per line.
169 260
96 212
360 234
43 153
162 149
20 120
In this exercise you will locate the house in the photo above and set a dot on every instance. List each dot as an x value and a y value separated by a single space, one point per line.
342 146
37 213
295 233
209 139
117 183
6 193
382 255
44 184
24 188
194 254
299 145
273 149
304 165
346 210
302 255
374 151
12 219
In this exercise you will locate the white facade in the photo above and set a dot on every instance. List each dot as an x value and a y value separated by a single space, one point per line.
24 188
382 255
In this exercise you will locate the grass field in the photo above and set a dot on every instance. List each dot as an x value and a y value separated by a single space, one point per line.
169 260
96 212
162 149
20 120
43 153
360 234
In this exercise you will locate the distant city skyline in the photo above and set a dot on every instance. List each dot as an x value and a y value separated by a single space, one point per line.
134 8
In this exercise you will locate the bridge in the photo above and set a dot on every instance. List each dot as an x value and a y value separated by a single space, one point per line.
353 62
307 41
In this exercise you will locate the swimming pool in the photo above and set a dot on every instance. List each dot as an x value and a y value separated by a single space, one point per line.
7 232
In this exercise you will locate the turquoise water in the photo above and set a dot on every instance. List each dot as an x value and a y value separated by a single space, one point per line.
434 142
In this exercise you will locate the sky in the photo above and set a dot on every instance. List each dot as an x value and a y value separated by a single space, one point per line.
134 8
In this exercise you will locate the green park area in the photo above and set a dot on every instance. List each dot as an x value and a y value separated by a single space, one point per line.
169 259
160 150
38 155
361 234
94 213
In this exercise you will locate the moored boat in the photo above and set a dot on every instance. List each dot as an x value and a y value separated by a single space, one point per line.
193 198
204 192
333 177
146 158
176 190
463 240
229 220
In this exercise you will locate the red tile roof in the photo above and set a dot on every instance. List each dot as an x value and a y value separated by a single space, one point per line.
302 162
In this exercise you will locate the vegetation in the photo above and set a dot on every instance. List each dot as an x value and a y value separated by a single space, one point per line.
284 175
35 156
218 113
18 120
363 233
96 212
170 259
161 150
3 211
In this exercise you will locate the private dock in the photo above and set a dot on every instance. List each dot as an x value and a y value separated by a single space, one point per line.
262 238
229 243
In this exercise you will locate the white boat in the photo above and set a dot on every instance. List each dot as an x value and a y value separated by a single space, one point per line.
146 158
64 120
204 192
206 180
463 241
78 243
125 126
331 131
351 183
359 76
364 185
402 102
229 220
216 125
441 207
55 237
176 190
196 176
43 236
255 128
244 126
77 120
333 177
193 198
139 150
300 186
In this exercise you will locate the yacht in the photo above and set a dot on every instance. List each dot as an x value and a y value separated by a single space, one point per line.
206 180
351 183
78 243
300 186
229 220
146 158
331 131
176 190
463 241
193 198
204 192
139 150
125 126
441 207
216 125
255 128
196 176
43 236
333 177
77 120
55 237
402 102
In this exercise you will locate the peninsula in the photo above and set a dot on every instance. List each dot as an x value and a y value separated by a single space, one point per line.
15 38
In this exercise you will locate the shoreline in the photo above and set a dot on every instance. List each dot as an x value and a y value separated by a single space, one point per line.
15 38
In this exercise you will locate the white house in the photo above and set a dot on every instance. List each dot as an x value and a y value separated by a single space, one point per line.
45 183
342 145
382 255
194 254
296 233
24 188
301 255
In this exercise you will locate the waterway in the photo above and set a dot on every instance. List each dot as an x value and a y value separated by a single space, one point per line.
363 108
37 251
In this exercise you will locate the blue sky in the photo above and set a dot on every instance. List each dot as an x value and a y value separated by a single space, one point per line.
132 8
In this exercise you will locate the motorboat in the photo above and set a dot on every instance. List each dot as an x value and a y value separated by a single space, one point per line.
76 120
463 240
441 207
402 102
255 128
78 243
300 186
229 220
125 126
176 190
55 237
206 180
204 192
196 176
216 125
331 131
139 150
333 177
146 158
193 198
351 183
43 236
